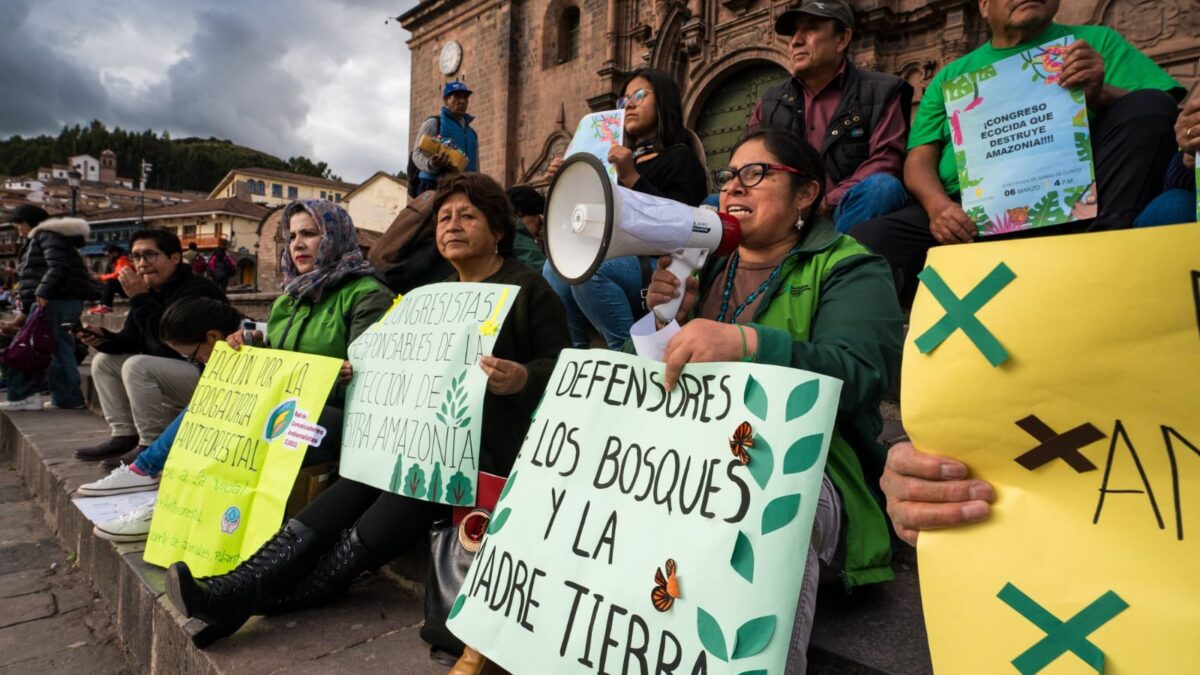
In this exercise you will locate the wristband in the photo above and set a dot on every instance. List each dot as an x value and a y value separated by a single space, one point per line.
747 357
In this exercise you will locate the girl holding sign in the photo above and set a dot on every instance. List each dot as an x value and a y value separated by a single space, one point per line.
796 293
352 527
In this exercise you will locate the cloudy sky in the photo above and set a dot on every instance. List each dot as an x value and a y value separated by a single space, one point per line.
322 78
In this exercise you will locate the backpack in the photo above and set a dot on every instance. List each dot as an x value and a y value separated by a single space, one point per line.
199 264
31 349
220 265
411 170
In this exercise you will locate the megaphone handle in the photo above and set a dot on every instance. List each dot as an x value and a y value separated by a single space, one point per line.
683 263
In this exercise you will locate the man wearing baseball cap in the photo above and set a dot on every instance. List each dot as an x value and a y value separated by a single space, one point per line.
453 126
856 119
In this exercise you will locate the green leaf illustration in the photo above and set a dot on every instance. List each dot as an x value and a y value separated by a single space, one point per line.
803 454
978 215
742 560
397 483
458 490
1083 147
762 461
440 417
414 482
1077 95
498 521
462 424
710 634
780 512
507 486
1048 210
802 399
755 398
435 483
754 636
457 607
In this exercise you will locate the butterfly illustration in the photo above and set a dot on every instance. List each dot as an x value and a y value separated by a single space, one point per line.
666 589
743 438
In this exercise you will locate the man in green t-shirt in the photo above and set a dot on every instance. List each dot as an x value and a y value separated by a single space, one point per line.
1131 107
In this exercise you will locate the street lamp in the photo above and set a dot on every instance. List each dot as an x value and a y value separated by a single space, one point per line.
73 180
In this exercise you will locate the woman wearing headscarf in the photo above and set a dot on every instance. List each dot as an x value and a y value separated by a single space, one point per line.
353 527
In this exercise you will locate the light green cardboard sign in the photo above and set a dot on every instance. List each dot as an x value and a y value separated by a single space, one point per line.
235 457
631 538
415 405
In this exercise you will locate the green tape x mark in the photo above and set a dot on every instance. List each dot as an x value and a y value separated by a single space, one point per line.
1062 636
960 313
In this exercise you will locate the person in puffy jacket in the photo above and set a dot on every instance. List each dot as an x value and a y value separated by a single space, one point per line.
55 281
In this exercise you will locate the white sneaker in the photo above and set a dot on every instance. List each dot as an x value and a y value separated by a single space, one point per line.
49 405
122 480
31 403
130 527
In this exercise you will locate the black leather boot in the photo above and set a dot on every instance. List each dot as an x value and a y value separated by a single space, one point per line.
225 601
336 569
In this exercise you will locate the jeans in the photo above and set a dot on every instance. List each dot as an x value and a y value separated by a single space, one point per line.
606 301
65 391
819 568
874 196
1169 208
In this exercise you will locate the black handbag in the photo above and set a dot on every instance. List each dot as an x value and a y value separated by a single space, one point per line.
451 550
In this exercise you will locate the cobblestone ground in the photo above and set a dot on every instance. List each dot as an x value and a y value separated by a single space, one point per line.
49 620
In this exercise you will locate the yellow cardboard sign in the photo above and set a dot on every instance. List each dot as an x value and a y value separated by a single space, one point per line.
236 455
1089 429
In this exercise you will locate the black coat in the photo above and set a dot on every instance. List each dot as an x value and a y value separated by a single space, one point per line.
139 335
51 266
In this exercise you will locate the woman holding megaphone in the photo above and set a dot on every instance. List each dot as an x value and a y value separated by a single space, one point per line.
658 159
796 293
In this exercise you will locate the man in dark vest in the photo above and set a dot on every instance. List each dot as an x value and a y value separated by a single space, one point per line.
856 119
453 124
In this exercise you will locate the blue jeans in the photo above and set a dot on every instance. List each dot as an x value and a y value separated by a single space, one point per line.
605 301
65 391
154 457
1169 208
872 197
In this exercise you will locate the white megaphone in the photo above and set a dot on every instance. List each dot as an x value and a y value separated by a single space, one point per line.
590 220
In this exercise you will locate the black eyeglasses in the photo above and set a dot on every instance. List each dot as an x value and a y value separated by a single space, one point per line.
635 99
148 256
192 357
750 174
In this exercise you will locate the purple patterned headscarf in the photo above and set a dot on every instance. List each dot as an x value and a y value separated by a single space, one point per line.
337 257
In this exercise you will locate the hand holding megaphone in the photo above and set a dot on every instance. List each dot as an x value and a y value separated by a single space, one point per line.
665 287
590 220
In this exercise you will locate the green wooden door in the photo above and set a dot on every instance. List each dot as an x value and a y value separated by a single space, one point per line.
726 112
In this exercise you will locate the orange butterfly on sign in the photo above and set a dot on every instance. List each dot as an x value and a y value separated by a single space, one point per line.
666 588
743 438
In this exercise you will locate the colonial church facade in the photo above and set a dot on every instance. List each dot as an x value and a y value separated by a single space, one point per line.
537 66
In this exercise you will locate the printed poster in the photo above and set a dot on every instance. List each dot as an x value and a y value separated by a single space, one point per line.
1022 143
644 532
414 409
1090 435
237 453
596 134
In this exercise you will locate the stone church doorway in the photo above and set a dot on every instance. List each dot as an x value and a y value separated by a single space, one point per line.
726 112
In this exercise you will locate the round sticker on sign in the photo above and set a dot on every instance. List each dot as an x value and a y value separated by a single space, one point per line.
279 420
231 520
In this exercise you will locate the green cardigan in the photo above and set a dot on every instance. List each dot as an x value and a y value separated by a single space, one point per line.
327 327
833 311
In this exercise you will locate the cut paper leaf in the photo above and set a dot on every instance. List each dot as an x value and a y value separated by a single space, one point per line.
802 399
397 483
457 606
743 557
710 634
753 636
762 461
780 512
803 454
507 486
498 521
755 398
435 483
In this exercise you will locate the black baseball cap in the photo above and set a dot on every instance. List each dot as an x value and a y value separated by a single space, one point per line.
839 10
28 214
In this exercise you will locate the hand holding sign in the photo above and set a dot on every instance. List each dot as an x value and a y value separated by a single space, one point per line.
926 492
1083 67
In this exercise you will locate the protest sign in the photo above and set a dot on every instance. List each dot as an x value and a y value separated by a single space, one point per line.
1088 431
415 406
644 532
596 134
236 455
1022 143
